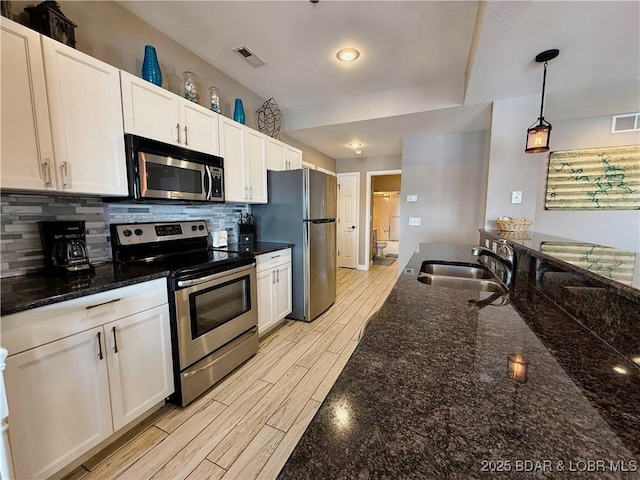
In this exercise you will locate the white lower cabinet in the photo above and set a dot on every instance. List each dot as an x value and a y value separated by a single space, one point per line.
68 395
274 288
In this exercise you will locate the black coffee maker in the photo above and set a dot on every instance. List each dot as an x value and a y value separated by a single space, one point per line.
65 247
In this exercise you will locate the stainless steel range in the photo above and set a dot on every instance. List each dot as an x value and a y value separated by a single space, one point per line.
212 294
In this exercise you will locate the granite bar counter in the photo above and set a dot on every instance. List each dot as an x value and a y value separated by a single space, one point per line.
37 290
427 393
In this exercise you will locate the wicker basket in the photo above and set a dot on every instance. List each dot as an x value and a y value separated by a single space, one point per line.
513 224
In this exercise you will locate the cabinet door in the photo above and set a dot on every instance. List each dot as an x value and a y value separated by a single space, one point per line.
86 121
293 158
199 128
232 150
59 402
26 150
276 154
149 111
256 164
139 361
282 298
265 282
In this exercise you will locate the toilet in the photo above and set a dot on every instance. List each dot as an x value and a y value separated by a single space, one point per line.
379 248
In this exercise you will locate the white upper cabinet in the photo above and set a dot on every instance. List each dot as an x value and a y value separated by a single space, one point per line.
26 150
256 164
153 112
245 162
293 158
149 111
281 156
86 121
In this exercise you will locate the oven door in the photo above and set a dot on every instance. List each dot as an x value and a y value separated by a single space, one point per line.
213 310
171 178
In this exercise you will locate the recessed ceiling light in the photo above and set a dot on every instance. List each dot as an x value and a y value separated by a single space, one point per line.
620 370
355 145
348 54
358 152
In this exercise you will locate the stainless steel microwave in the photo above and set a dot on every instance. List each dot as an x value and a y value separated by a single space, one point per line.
158 171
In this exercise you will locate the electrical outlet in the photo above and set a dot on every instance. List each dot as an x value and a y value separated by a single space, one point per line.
414 221
412 198
516 196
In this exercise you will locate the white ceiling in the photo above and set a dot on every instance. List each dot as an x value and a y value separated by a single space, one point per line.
426 67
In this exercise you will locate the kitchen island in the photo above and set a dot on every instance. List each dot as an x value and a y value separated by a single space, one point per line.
427 393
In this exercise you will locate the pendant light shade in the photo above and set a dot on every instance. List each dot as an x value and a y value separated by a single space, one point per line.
539 133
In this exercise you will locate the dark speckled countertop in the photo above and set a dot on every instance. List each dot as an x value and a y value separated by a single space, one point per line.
426 393
32 291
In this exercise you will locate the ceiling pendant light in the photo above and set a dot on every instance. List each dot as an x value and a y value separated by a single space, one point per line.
539 133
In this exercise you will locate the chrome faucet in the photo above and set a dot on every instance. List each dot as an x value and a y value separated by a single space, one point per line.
505 255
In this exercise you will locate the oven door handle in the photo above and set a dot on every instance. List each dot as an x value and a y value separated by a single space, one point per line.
208 278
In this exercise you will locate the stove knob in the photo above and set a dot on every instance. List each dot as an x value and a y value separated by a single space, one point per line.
194 228
200 227
138 231
126 233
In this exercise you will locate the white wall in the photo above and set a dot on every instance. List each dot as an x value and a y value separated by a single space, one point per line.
449 175
616 228
512 169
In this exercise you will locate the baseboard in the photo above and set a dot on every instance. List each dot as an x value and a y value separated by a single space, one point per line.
362 267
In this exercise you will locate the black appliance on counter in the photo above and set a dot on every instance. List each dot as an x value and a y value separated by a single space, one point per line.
212 299
65 247
160 172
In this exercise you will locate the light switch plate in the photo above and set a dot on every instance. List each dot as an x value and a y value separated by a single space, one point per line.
412 198
516 196
414 221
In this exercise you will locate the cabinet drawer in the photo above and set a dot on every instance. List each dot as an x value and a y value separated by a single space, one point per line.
273 259
25 330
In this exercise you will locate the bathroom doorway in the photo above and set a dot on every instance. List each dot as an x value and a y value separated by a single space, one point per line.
383 216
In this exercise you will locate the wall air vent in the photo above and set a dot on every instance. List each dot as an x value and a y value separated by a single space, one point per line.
628 122
250 57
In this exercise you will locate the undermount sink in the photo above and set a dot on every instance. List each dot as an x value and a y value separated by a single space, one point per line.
461 283
459 270
462 276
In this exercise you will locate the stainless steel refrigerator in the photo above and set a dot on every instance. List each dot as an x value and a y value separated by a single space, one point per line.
302 210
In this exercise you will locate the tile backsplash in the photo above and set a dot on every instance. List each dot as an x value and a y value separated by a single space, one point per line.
21 248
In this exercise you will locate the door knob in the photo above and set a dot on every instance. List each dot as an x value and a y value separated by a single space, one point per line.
353 227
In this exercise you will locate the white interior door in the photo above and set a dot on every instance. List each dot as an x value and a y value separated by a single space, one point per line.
348 195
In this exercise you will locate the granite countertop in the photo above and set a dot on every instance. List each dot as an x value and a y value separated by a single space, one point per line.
32 291
426 393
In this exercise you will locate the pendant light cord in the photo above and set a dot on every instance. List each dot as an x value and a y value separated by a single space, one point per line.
544 82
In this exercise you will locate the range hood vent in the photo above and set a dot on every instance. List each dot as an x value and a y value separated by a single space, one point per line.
250 57
628 122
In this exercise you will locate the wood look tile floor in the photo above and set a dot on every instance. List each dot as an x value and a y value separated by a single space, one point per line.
247 426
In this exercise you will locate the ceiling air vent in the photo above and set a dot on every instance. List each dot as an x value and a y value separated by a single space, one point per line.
251 58
628 122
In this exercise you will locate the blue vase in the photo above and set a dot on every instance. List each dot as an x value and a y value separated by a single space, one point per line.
238 111
150 66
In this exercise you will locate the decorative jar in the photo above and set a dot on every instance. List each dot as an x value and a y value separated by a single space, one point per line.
190 89
214 96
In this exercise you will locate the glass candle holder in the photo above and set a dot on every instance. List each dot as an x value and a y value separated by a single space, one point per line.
214 97
190 90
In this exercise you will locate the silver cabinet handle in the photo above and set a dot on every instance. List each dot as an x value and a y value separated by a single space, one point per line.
115 340
100 356
246 194
251 193
186 142
278 273
47 169
275 256
101 304
63 172
178 131
273 274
